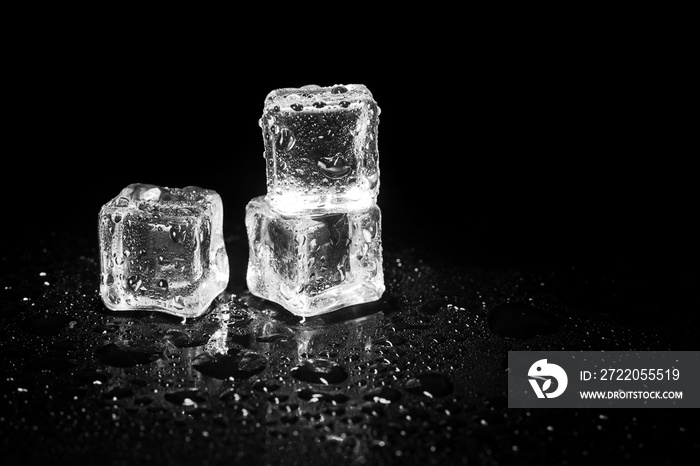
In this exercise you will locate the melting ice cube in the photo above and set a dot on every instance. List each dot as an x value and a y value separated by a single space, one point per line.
162 249
321 148
312 264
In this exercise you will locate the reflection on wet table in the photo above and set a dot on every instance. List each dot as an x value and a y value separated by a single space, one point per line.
418 377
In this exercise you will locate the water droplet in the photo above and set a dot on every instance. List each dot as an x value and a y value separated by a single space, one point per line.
92 376
309 394
113 297
285 140
240 365
339 90
384 395
319 371
334 167
163 284
319 104
134 282
178 302
286 291
180 397
266 386
116 217
178 233
373 409
119 393
297 107
277 399
344 103
430 385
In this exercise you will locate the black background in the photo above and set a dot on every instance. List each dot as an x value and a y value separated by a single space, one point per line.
535 145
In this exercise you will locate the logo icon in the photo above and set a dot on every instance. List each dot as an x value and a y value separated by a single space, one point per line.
546 372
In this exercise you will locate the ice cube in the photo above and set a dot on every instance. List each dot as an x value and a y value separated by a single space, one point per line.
321 148
162 249
314 264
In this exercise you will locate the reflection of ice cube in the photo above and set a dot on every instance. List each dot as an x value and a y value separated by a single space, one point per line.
321 148
314 264
162 249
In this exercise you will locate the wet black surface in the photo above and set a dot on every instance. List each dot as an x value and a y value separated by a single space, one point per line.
418 377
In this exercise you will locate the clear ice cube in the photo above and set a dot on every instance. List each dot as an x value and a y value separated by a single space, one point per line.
162 249
314 264
321 148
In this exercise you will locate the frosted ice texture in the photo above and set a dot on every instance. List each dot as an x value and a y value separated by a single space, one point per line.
321 148
162 249
313 264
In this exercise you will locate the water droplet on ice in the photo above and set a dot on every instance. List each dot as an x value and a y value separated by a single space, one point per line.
134 282
113 297
178 233
344 103
297 107
163 284
364 249
285 140
319 104
333 167
339 90
286 291
179 302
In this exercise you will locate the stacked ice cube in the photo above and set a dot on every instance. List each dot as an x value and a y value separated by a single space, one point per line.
162 249
315 238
